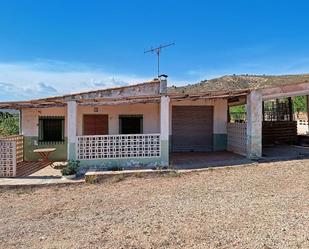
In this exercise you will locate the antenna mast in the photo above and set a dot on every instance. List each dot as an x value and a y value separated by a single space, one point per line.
157 50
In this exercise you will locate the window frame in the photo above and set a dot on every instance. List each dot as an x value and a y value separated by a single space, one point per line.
41 129
140 116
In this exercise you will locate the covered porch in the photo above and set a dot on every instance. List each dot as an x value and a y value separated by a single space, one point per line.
199 160
276 131
12 162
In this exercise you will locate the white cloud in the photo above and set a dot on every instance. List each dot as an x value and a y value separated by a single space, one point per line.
46 78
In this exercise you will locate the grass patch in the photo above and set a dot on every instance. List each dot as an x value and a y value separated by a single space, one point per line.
118 178
23 191
91 179
174 173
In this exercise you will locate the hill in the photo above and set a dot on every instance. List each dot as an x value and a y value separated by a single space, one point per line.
240 82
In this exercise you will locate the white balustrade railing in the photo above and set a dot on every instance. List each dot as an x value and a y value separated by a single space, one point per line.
302 127
118 146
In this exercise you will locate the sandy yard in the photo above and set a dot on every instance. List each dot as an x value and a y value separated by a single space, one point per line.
260 206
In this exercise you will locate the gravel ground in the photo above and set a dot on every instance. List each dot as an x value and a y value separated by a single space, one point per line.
261 206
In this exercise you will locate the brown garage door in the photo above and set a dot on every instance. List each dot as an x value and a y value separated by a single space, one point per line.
192 128
95 124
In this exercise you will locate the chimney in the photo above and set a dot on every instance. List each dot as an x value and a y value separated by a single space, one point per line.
163 83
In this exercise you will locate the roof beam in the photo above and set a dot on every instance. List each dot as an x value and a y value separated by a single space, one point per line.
285 91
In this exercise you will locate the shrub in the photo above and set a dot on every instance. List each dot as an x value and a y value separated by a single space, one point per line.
9 126
71 168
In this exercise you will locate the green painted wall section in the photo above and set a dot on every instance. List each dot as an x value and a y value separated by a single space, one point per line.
219 142
165 151
29 145
170 142
120 162
72 151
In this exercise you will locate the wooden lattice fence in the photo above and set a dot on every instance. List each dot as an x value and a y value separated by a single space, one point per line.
11 153
237 138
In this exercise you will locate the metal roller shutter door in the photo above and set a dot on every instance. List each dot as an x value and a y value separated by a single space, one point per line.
192 128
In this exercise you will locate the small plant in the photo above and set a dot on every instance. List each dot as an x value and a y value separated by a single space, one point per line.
171 165
71 168
91 179
160 167
118 178
174 173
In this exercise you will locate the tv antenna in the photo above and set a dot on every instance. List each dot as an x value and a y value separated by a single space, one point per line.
157 50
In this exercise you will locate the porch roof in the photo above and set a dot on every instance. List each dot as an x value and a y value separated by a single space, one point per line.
111 94
229 87
119 100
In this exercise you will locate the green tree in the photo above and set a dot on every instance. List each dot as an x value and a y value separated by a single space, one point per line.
238 109
299 104
9 126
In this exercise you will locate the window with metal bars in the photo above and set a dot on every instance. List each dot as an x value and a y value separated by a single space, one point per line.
278 110
131 124
51 129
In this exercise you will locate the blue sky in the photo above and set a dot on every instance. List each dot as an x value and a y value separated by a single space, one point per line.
54 47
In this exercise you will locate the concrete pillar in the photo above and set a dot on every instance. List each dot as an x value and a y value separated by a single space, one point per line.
164 130
72 129
254 125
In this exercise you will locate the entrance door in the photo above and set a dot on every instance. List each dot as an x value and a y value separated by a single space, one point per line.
95 124
192 128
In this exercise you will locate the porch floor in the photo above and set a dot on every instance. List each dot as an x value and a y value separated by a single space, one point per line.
39 168
26 168
285 152
43 176
196 160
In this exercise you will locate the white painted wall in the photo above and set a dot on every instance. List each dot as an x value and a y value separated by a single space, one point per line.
220 112
150 112
30 118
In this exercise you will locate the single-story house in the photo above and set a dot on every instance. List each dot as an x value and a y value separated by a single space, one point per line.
143 123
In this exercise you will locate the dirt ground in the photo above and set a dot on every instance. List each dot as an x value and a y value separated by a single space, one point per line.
260 206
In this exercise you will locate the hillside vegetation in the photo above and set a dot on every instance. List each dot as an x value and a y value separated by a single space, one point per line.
240 82
9 124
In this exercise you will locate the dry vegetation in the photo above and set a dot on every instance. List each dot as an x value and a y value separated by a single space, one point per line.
241 82
261 206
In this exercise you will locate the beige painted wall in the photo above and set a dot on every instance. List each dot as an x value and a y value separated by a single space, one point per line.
30 119
150 112
220 112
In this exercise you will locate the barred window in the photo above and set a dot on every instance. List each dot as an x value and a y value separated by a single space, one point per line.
51 129
131 124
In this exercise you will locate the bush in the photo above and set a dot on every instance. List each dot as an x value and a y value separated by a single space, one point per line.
71 168
9 126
